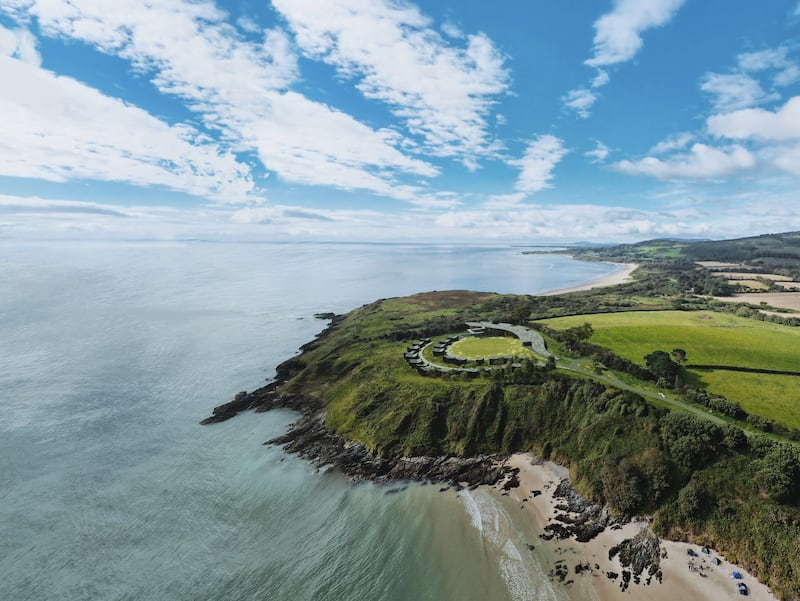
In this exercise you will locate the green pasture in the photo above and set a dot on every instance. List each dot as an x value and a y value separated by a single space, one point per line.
494 346
713 339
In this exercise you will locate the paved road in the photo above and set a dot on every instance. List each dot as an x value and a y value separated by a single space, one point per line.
521 332
660 398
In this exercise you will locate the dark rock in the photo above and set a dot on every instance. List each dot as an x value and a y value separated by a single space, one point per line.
513 480
640 553
326 316
309 438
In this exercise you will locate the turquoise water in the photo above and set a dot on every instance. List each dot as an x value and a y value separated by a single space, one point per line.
109 489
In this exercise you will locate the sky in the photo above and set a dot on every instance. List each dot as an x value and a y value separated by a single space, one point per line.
387 120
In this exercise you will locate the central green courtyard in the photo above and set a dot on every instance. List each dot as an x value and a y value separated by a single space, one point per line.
495 346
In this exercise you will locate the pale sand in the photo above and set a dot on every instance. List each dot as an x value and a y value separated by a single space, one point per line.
612 279
679 582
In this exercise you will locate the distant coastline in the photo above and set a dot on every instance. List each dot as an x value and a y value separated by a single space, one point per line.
620 276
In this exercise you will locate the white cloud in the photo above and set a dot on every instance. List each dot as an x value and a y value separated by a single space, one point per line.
601 79
452 30
758 124
701 162
618 33
671 143
599 154
742 214
504 201
787 158
580 101
778 132
248 24
536 165
442 92
617 40
56 129
239 88
19 44
771 59
735 91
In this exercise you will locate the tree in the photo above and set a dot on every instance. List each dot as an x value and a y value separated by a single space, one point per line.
679 355
661 365
690 499
521 312
779 473
583 332
622 485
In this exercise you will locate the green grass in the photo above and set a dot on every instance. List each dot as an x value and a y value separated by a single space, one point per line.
713 339
496 346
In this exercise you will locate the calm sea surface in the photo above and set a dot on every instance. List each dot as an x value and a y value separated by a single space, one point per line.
110 354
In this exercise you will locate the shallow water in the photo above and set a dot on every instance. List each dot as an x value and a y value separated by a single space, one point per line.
109 488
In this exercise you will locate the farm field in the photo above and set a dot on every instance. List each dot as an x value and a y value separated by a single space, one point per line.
784 300
713 339
495 346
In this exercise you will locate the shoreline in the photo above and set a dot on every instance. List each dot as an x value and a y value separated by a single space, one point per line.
704 580
612 279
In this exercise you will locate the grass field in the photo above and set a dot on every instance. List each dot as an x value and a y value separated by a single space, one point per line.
713 339
496 346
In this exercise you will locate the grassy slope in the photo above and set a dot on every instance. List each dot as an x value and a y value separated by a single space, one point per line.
715 339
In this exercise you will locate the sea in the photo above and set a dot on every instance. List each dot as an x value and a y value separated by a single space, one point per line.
110 355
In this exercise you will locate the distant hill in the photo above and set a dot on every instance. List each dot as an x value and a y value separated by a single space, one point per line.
778 253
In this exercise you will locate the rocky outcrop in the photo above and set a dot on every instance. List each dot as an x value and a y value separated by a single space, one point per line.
267 397
309 438
576 517
640 553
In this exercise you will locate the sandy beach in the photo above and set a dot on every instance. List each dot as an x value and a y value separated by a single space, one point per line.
618 277
684 577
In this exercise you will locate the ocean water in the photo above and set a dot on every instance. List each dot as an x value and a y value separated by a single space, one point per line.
110 355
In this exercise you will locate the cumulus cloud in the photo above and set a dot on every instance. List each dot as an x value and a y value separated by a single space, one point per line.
758 124
700 162
537 163
57 129
239 88
580 101
618 33
599 154
777 131
735 91
441 91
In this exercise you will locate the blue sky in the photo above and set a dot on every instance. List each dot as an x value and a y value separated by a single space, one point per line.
382 120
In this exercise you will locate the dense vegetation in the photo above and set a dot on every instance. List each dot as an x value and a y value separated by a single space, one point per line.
701 479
